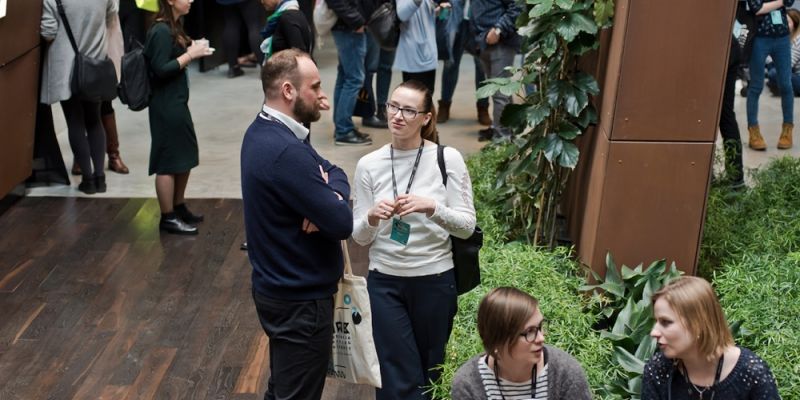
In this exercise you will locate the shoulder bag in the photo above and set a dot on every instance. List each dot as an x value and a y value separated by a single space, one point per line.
465 251
384 26
92 79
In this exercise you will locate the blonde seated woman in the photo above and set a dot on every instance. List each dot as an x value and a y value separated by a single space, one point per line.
517 364
698 358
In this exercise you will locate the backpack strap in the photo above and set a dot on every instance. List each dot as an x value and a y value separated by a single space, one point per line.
66 25
440 161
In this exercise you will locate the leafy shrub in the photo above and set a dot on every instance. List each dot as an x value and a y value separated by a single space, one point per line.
762 292
625 303
762 220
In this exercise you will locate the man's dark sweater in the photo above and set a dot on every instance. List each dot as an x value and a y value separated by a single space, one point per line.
281 186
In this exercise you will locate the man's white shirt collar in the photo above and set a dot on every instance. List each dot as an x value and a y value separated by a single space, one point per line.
297 128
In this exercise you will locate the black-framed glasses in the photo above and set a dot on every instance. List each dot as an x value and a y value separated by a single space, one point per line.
407 113
532 332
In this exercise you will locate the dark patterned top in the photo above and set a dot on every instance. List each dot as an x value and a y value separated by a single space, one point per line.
750 379
766 26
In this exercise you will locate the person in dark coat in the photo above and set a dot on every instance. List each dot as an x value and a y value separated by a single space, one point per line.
173 152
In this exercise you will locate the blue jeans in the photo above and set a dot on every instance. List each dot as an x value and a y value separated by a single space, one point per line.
380 61
352 49
451 69
772 77
780 49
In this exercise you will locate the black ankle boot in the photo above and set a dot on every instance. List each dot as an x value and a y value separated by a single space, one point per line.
183 213
100 184
87 185
172 224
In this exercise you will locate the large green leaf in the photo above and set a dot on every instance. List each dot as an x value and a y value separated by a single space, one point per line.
572 24
568 131
549 44
646 349
603 11
569 155
541 8
565 4
553 146
586 82
628 361
537 113
514 115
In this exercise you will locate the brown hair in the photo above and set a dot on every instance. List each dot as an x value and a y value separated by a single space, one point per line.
175 26
280 67
502 315
794 15
428 131
696 304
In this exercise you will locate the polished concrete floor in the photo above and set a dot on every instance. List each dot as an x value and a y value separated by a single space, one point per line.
222 109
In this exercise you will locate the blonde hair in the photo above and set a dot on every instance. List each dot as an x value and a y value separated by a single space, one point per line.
696 304
502 315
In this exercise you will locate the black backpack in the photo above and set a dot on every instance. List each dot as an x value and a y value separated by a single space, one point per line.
134 83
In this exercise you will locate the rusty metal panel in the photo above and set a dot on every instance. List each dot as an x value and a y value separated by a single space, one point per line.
17 119
671 70
652 204
19 29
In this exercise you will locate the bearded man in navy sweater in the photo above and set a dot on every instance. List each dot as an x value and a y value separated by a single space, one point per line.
296 213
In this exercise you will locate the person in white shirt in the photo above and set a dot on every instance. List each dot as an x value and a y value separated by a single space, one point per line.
403 209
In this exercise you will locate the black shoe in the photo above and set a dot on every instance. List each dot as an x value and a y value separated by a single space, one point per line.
484 135
183 213
87 186
352 138
100 183
235 71
375 122
177 226
243 246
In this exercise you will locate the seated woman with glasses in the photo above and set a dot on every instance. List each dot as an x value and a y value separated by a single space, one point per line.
403 209
517 364
698 358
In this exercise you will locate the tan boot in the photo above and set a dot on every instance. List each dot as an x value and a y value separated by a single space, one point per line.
483 115
443 112
112 144
785 142
756 140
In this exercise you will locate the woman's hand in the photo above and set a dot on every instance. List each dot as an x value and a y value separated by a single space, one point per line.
384 210
199 48
409 203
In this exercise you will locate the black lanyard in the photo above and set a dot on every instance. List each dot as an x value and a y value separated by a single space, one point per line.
691 385
413 171
533 375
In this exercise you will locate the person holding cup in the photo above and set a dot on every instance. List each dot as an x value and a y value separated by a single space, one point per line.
173 151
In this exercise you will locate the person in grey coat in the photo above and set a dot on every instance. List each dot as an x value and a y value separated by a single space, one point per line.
517 364
88 20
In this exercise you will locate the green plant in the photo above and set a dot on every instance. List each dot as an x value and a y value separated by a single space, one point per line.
762 292
556 34
624 299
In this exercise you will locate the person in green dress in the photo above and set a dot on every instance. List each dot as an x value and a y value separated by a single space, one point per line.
173 152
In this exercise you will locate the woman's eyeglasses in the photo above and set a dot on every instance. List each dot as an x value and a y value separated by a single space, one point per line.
408 113
531 334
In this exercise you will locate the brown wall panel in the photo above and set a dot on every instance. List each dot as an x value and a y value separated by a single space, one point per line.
672 70
19 29
17 119
652 204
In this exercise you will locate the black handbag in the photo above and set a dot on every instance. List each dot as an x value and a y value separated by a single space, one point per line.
465 251
93 79
384 26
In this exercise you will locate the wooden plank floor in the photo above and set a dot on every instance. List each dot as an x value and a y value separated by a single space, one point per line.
96 304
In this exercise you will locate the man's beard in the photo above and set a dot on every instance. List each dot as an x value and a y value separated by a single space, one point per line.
306 113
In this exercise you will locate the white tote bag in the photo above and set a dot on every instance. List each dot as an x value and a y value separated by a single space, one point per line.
353 356
324 18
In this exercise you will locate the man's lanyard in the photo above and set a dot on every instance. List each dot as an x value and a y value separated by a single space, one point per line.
413 171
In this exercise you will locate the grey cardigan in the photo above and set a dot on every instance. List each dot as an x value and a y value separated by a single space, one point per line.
88 20
565 379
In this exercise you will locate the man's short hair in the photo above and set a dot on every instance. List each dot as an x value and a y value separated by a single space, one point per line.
280 67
